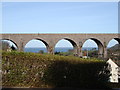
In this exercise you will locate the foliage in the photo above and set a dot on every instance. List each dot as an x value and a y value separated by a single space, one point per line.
114 55
93 53
69 53
75 74
114 85
5 45
13 48
64 53
21 69
41 51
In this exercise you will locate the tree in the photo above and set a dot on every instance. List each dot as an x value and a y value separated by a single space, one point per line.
4 45
93 49
13 48
41 51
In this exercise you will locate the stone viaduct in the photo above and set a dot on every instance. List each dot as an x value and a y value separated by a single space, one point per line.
50 40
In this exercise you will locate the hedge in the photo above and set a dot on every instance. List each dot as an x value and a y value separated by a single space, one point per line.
21 69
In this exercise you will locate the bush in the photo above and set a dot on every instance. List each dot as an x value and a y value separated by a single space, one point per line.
36 70
76 74
4 45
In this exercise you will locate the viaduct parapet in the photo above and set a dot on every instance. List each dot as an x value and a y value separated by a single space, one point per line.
50 40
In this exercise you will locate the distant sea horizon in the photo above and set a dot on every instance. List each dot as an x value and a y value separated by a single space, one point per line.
57 49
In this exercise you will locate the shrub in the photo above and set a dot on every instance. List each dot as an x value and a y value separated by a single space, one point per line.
38 70
76 74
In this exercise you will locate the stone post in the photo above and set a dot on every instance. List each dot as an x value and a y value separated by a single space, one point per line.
80 49
105 50
100 52
21 46
75 51
51 49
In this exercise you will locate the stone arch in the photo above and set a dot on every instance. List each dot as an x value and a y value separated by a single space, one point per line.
113 53
74 44
100 46
11 41
45 43
108 40
116 39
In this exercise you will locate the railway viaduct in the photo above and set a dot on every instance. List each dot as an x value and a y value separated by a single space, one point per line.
50 40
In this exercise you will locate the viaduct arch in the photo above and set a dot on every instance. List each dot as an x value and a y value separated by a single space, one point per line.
45 43
100 46
50 40
11 41
73 42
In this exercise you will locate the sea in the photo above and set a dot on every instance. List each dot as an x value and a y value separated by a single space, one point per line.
57 49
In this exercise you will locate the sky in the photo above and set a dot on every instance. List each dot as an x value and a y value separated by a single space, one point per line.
60 17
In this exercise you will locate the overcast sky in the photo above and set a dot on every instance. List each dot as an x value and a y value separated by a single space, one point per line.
60 17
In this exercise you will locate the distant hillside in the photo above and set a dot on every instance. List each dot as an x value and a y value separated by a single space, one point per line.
114 53
115 47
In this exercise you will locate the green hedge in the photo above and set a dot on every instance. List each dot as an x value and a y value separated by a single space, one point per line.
36 70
